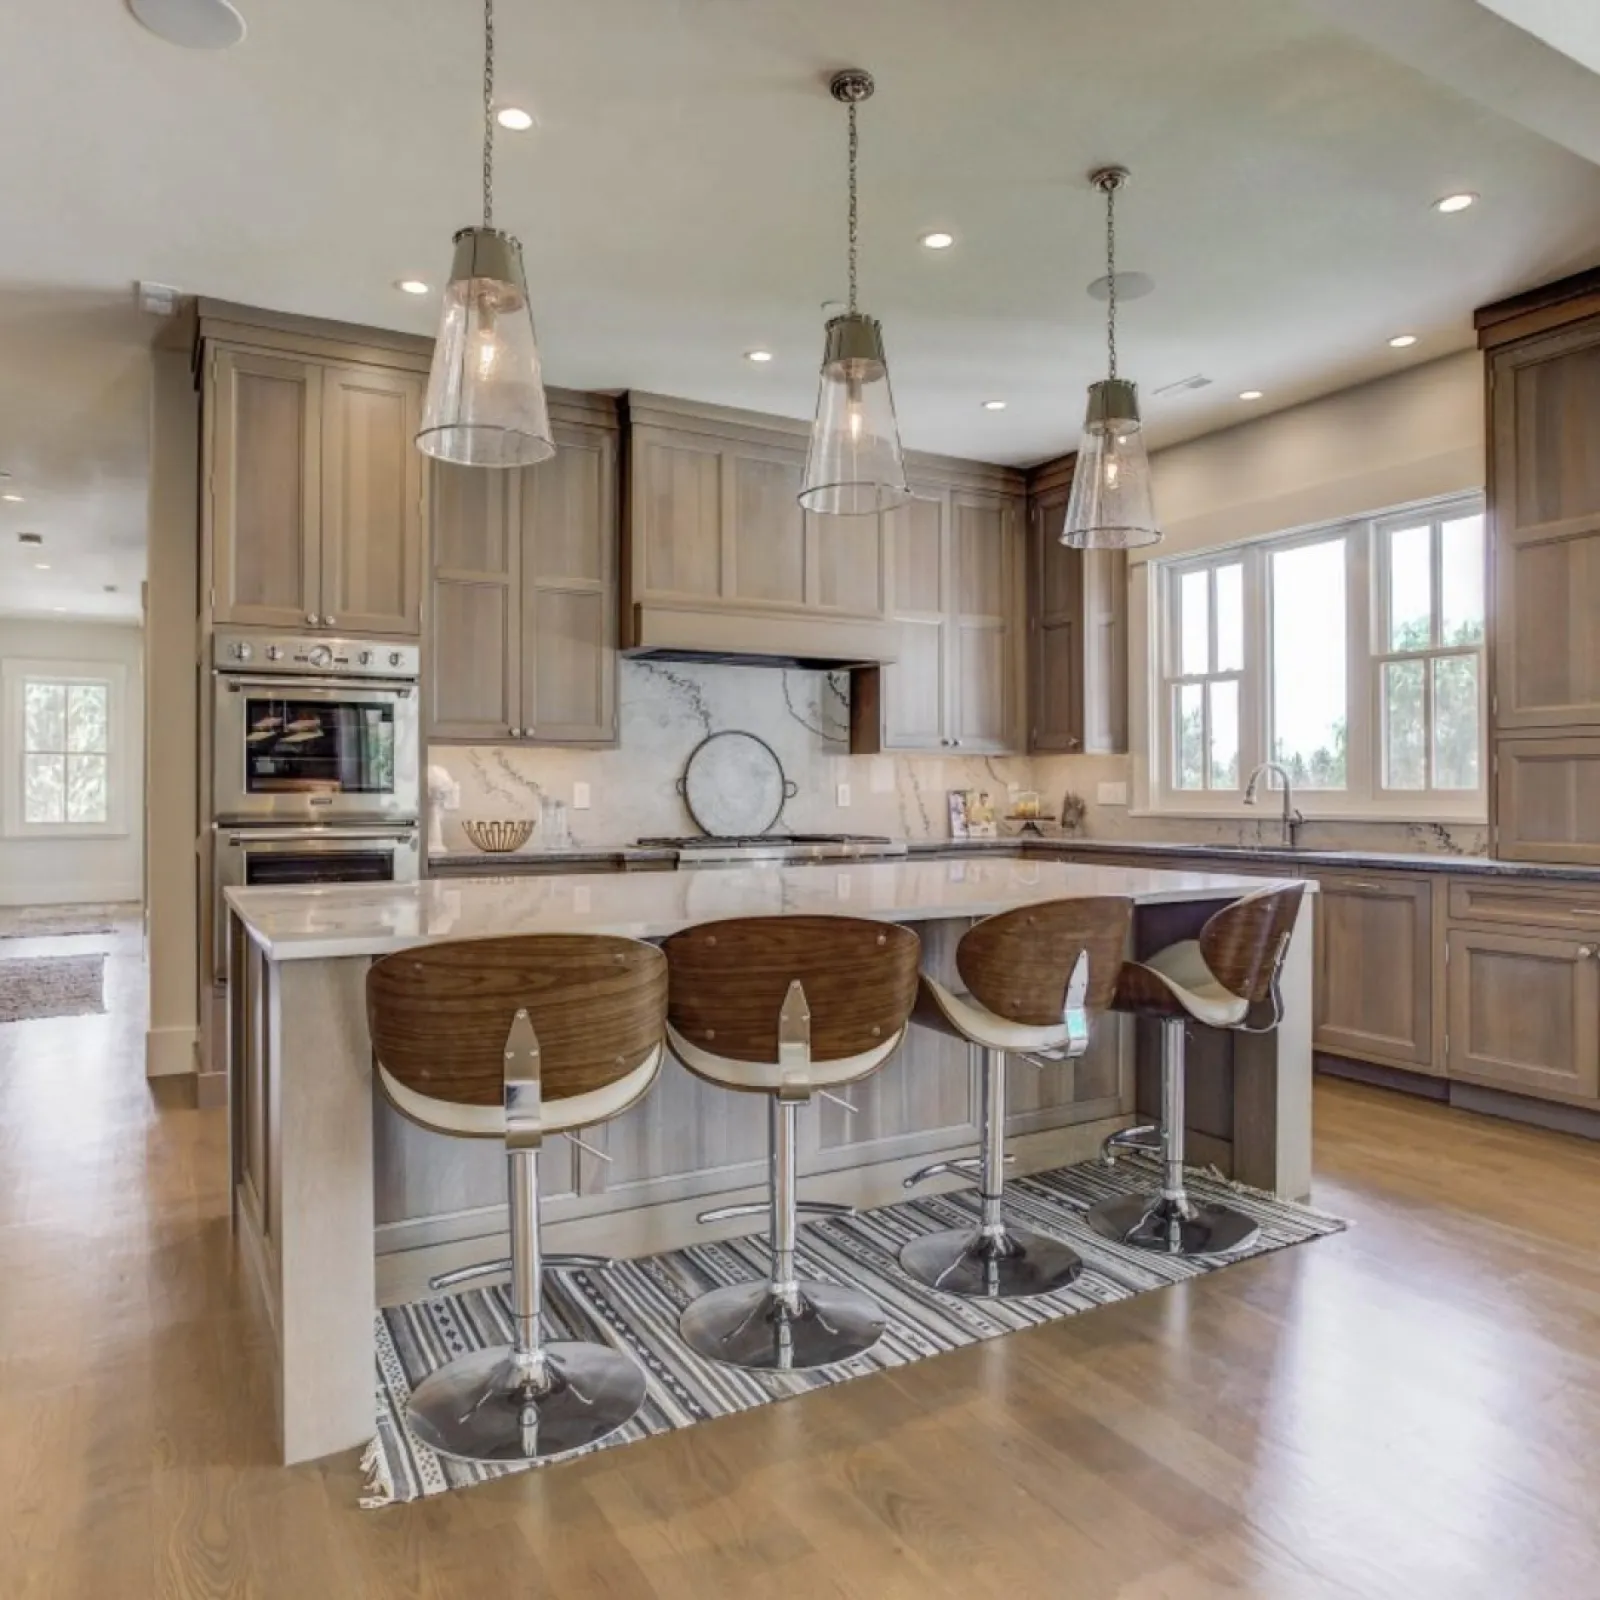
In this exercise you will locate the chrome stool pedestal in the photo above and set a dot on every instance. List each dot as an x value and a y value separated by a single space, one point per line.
1170 1223
786 1324
996 1260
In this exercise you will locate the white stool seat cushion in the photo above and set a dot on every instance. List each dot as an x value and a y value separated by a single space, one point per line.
766 1077
1196 986
558 1116
975 1021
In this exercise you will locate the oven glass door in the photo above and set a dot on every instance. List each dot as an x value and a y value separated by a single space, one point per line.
312 746
347 866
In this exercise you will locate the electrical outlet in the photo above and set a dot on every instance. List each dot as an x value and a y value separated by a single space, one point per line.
1111 794
580 797
842 794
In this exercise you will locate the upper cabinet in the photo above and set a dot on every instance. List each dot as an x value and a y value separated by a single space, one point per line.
956 599
1543 369
1077 630
313 510
524 591
717 554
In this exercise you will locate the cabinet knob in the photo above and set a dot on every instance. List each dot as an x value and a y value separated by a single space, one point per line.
328 622
311 619
1585 951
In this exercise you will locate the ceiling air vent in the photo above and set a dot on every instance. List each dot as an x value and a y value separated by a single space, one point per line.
1198 381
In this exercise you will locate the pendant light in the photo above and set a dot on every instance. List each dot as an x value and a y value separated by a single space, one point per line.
1111 506
485 405
854 466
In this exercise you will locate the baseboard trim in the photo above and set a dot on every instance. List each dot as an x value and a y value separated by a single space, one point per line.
1422 1084
170 1051
210 1090
1549 1114
75 894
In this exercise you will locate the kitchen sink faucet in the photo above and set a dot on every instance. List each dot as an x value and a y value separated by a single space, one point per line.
1291 817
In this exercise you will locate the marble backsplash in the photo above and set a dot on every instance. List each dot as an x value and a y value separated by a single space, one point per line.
666 709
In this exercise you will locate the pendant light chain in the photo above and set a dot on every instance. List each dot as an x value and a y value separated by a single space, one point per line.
1111 274
488 113
855 149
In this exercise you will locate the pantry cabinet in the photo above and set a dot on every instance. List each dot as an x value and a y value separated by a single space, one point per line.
524 596
312 492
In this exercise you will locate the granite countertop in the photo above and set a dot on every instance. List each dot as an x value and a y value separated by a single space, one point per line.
324 921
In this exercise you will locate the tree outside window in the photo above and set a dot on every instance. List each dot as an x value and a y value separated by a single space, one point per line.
65 752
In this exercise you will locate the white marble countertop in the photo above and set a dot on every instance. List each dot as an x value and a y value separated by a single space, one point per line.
311 923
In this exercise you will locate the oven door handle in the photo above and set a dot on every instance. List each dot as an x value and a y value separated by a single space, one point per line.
400 835
289 685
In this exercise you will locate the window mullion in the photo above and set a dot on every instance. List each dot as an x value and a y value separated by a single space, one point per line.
1362 561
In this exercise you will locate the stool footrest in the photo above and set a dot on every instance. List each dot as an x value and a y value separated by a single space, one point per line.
973 1164
1145 1139
759 1208
550 1262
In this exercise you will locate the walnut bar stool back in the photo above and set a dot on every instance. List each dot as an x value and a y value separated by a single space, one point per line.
1036 978
788 1007
1218 979
518 1039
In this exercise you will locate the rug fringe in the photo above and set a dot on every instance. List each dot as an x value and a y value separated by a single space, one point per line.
379 1491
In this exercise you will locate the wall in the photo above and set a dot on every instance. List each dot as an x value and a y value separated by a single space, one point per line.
666 710
66 871
172 921
1415 436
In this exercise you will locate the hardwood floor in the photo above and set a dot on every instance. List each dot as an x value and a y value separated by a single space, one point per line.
1411 1409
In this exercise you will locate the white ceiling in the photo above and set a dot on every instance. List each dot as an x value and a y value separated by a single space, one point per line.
680 202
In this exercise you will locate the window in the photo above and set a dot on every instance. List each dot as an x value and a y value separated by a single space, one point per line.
62 756
1350 655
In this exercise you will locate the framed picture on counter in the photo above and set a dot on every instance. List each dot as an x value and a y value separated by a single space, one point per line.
972 814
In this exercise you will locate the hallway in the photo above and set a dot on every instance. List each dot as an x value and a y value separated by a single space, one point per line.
1407 1410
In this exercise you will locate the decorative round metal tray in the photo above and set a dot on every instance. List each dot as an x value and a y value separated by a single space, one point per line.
734 785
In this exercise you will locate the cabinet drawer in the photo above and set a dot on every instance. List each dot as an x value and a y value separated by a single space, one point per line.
1489 900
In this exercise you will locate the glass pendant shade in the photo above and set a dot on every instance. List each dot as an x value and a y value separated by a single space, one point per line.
485 405
1111 506
855 466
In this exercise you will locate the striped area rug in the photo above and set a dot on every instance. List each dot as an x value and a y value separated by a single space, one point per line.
635 1307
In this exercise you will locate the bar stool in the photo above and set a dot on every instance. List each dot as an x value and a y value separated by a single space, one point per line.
518 1039
1035 979
787 1007
1217 979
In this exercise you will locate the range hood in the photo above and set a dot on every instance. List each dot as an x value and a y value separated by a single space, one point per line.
717 634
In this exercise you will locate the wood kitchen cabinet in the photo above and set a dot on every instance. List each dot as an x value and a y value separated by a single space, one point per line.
718 556
1543 369
523 615
1524 1012
956 595
1373 982
1077 630
313 510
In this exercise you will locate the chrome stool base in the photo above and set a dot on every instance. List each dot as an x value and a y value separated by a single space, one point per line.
748 1325
1015 1266
480 1408
1174 1228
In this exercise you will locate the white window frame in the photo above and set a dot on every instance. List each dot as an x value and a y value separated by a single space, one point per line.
1364 798
15 672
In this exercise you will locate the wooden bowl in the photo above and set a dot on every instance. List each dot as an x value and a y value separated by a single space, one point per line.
497 838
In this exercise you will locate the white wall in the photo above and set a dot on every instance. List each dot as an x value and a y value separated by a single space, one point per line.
62 871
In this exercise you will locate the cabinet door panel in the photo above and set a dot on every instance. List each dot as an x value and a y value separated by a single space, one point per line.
1524 1013
574 666
1055 689
472 519
473 661
1374 969
921 574
914 688
768 532
371 502
983 679
1548 800
678 517
849 554
983 557
987 610
684 1125
263 432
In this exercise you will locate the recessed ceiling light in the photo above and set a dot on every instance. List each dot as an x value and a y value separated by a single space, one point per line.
411 286
758 355
1402 341
15 499
514 118
938 241
1249 394
193 24
994 405
41 566
1455 202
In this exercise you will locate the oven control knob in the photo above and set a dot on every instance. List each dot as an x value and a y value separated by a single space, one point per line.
395 658
241 651
319 655
274 652
365 658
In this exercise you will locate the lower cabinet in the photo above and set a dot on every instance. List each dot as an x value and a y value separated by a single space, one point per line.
1374 969
1524 1012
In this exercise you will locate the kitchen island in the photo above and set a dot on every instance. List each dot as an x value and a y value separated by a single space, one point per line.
339 1203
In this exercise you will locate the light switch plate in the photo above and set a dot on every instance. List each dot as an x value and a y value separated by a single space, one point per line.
580 797
1111 794
842 794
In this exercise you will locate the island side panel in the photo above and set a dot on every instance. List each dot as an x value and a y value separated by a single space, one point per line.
322 1223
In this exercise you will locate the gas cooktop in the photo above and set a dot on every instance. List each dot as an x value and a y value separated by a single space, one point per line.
780 847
